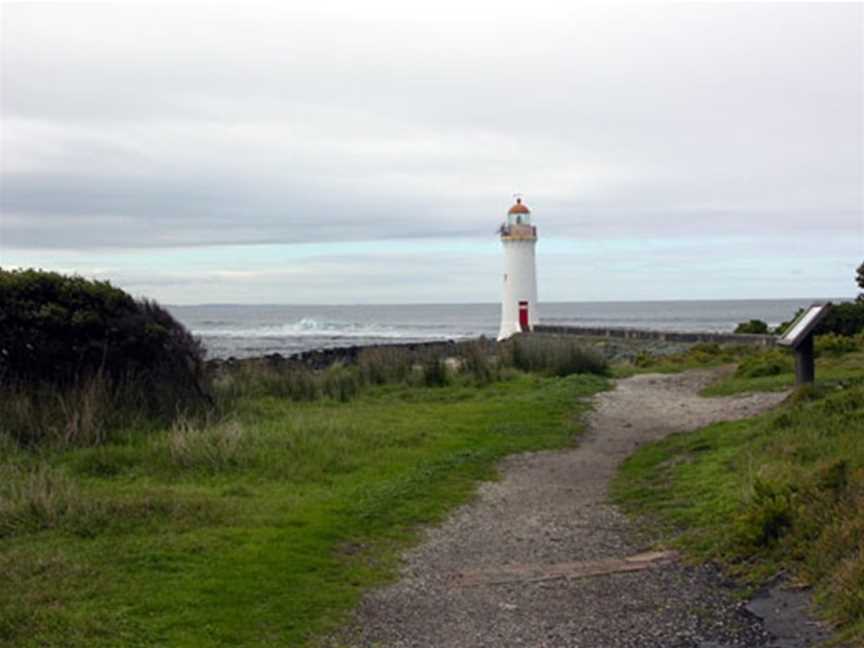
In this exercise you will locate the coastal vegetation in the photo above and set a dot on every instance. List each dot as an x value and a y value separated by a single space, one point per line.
844 319
262 528
257 509
79 358
782 493
151 498
753 326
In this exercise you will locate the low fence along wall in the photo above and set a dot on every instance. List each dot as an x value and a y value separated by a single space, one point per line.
663 336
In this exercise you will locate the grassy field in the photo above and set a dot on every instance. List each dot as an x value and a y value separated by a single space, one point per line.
262 528
783 492
753 369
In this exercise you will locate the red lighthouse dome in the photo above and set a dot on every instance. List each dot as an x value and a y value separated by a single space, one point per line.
519 208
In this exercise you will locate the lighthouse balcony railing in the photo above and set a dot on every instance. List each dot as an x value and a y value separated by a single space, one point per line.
518 231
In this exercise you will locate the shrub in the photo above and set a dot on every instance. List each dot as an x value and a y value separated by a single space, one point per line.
833 344
859 279
846 318
769 514
754 326
644 359
64 331
768 363
706 352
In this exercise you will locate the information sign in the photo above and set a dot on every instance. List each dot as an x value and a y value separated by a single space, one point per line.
803 326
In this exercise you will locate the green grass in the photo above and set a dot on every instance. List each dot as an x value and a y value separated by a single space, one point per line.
263 529
831 370
780 492
840 361
699 356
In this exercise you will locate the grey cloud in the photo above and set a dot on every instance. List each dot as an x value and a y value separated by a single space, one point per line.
190 126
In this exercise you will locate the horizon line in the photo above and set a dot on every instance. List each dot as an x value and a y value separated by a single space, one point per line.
498 303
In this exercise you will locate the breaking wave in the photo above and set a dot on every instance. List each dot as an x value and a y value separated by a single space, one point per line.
308 327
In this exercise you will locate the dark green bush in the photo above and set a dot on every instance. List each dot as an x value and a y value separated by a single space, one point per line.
754 326
59 330
845 318
859 279
80 357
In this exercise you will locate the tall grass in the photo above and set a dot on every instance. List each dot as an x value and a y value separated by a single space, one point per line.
553 356
303 505
87 413
80 414
210 448
90 412
35 497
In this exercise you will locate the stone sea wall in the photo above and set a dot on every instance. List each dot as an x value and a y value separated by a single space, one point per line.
685 337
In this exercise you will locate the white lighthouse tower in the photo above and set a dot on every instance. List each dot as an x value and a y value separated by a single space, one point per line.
519 308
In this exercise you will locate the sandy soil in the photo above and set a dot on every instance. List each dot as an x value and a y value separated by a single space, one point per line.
535 559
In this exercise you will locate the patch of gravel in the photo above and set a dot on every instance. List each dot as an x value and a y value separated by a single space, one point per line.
552 507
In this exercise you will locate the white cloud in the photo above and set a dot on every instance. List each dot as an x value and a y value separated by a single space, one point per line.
167 127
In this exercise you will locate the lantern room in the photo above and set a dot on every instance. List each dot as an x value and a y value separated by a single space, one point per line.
519 214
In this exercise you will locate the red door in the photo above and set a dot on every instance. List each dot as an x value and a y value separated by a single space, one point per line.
523 315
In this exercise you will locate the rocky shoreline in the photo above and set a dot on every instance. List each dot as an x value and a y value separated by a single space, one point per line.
323 358
613 349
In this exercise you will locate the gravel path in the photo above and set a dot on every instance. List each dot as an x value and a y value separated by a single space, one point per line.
524 563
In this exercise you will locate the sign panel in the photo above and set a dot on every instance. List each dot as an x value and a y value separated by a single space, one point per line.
804 325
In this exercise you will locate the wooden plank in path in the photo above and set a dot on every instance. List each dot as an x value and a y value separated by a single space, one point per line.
532 573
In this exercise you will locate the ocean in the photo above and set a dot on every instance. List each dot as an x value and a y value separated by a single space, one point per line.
244 331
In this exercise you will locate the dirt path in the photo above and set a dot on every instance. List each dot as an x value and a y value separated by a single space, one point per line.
540 559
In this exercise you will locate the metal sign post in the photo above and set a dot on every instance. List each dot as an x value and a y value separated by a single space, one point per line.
799 337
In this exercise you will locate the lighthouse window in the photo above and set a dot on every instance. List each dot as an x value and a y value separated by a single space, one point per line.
518 220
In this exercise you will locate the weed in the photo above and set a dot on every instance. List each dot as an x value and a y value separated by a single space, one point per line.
478 363
768 515
837 345
436 373
553 356
35 497
210 448
381 365
767 363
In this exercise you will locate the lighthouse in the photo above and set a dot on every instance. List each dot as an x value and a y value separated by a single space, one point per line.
519 308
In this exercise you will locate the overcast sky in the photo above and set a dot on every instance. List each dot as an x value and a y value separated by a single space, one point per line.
366 152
